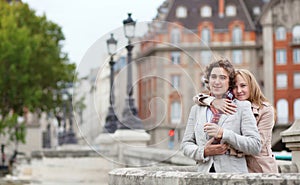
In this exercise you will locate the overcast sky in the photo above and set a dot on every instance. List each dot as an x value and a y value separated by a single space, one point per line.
85 21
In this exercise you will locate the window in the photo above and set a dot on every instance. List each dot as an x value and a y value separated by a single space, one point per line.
205 57
181 12
282 111
205 35
175 36
175 57
296 109
230 10
281 81
296 56
256 10
296 34
280 33
237 56
175 112
175 80
297 80
205 11
280 56
237 35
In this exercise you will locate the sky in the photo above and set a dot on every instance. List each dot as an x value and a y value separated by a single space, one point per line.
86 21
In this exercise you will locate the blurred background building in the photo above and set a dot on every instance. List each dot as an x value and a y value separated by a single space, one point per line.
170 59
185 36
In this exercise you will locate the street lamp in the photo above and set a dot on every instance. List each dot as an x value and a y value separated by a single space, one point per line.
130 118
111 121
69 137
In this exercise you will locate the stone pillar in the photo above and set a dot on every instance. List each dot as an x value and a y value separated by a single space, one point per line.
128 138
291 137
267 42
107 146
33 139
112 146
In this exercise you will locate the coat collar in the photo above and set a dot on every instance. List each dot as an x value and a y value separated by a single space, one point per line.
255 109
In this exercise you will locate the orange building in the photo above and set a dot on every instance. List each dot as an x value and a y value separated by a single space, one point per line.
281 40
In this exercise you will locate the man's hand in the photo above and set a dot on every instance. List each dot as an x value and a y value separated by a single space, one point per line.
213 130
224 105
214 149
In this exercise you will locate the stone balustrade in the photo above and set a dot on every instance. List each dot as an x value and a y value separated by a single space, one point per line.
182 175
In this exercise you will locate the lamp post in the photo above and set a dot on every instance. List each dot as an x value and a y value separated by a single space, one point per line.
130 117
111 121
69 137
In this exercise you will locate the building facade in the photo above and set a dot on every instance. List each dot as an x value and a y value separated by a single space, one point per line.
281 40
182 40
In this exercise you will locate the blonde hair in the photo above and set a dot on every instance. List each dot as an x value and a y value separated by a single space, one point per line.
255 94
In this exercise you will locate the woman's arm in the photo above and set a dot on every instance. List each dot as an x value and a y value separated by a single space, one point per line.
249 140
224 105
203 99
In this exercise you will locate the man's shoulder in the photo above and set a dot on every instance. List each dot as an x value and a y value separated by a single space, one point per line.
197 107
242 103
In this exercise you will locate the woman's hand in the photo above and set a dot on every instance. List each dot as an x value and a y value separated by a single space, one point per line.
214 149
224 105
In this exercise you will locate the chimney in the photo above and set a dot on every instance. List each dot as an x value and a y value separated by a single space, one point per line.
221 8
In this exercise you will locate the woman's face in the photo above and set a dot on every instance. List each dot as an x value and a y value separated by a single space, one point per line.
218 82
241 88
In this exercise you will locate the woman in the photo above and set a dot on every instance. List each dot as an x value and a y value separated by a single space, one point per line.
215 146
247 88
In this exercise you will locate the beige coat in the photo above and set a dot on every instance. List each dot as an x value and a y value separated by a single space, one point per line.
265 161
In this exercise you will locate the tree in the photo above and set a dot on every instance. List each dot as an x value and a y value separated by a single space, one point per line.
33 68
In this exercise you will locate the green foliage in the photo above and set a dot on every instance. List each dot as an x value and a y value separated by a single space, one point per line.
33 68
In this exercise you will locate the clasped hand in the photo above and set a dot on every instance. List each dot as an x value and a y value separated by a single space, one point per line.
213 129
215 149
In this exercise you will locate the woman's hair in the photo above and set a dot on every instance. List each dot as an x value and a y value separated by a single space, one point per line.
255 94
225 64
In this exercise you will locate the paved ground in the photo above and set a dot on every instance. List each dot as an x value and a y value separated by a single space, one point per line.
64 171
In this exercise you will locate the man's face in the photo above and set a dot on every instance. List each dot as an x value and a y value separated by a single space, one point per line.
218 82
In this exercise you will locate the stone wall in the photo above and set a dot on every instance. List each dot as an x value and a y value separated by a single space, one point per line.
187 175
153 157
146 157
